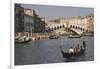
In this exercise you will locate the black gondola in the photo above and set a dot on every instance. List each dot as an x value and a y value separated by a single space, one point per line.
22 42
75 54
53 37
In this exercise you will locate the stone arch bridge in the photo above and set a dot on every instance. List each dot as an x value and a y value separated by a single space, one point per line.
76 29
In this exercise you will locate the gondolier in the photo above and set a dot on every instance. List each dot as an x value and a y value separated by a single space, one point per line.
84 44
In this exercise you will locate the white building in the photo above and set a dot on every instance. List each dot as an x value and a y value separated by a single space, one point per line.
79 22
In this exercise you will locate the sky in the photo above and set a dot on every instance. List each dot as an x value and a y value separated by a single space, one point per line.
53 12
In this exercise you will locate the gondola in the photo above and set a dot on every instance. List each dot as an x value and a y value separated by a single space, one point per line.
53 37
22 42
74 36
70 55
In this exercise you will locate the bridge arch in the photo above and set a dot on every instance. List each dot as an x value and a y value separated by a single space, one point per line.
76 29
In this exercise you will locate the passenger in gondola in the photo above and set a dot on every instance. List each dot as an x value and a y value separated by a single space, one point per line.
24 38
71 50
78 49
75 49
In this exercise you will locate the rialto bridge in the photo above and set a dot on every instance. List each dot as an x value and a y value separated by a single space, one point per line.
64 28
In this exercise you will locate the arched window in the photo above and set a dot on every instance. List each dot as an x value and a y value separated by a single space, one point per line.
57 27
70 26
75 27
63 26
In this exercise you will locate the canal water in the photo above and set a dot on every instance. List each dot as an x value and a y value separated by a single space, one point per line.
48 51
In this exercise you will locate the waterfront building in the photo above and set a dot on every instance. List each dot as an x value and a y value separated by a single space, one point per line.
28 22
90 23
33 23
83 23
28 11
39 23
75 21
56 24
19 17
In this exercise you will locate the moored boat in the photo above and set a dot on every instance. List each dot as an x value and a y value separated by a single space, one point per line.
74 36
53 37
26 40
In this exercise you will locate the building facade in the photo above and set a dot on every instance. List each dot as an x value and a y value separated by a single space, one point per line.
28 22
90 23
19 18
83 23
39 23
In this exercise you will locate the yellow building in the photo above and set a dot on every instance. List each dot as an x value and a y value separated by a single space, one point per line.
90 23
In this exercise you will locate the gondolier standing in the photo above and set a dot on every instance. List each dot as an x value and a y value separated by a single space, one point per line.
84 44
